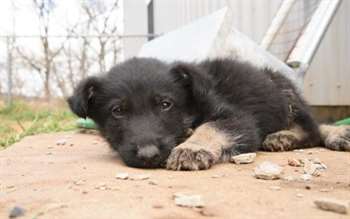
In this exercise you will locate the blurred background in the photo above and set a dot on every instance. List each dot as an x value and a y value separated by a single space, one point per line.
48 46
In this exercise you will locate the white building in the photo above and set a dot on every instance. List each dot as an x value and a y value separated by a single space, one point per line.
328 80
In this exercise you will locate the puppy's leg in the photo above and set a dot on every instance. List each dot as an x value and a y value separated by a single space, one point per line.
303 132
336 137
213 142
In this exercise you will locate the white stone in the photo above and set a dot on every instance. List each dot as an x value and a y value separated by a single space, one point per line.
191 201
140 177
268 171
334 205
122 176
61 142
306 177
243 158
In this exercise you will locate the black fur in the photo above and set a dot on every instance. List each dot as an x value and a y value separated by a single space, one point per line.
144 107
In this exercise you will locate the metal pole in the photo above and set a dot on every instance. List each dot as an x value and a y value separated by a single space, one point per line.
277 23
9 71
309 41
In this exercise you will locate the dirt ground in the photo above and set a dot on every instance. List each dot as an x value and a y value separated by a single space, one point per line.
77 180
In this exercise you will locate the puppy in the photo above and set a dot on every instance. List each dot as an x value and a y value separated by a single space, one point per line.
147 111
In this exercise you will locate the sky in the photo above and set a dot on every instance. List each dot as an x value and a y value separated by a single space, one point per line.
20 15
20 19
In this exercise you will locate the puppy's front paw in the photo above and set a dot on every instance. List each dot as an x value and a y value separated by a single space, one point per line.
280 141
186 157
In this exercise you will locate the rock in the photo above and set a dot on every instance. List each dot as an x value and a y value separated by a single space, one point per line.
268 171
191 201
16 212
215 176
243 158
157 206
326 189
334 205
79 182
295 163
313 167
306 177
206 213
289 178
61 142
276 188
102 186
299 195
122 176
153 183
140 177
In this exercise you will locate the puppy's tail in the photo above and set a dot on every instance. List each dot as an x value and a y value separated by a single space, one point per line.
336 137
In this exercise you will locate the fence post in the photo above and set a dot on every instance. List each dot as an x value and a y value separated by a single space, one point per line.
9 70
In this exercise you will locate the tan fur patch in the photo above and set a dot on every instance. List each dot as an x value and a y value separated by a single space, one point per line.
210 139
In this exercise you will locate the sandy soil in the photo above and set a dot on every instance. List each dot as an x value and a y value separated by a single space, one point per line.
77 180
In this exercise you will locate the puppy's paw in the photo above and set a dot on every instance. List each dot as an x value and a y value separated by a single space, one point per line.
280 141
184 157
338 138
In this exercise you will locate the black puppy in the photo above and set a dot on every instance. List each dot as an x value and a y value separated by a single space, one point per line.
146 110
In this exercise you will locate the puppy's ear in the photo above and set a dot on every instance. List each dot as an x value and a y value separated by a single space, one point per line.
83 96
191 77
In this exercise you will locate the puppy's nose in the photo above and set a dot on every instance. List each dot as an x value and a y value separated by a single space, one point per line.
148 152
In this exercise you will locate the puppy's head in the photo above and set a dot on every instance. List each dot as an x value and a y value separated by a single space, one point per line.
143 107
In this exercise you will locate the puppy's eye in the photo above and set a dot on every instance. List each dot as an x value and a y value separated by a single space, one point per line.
117 112
165 105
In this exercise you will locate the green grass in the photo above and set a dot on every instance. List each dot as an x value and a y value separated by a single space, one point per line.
23 119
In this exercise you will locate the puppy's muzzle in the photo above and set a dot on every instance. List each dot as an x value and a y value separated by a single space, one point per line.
148 152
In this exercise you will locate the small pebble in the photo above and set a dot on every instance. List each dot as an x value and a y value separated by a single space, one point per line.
326 189
49 153
268 171
276 188
216 176
79 182
122 176
299 195
341 207
16 212
191 201
61 142
156 206
294 163
243 158
154 183
306 177
307 187
140 177
289 178
206 213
